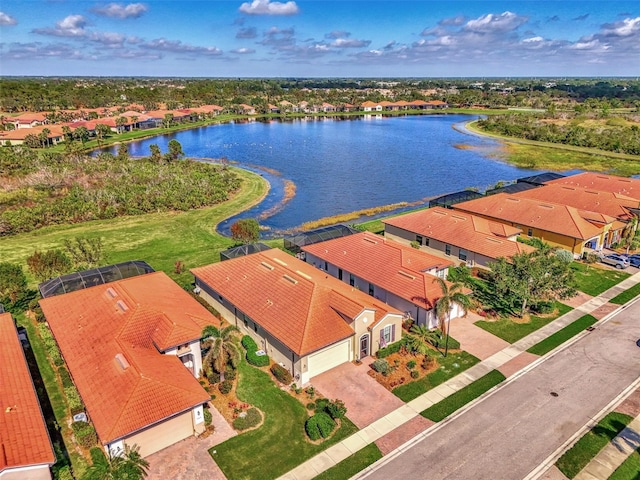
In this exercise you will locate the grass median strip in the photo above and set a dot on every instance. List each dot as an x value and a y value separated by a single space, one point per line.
562 335
627 295
459 399
630 468
585 449
353 464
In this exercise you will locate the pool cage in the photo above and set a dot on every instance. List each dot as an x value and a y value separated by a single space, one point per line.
91 278
295 242
446 201
243 250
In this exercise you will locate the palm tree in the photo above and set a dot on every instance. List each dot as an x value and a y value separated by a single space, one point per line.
222 349
129 465
424 335
452 295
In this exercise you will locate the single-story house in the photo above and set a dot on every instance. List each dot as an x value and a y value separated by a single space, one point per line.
27 120
436 104
304 319
370 106
392 272
247 109
327 107
26 451
132 348
559 225
18 137
629 187
471 239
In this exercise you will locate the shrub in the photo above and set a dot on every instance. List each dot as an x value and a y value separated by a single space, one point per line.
386 351
64 473
214 377
311 406
591 258
381 366
415 374
543 307
85 434
73 399
319 426
564 255
321 404
311 391
208 418
225 387
257 360
282 374
213 397
411 364
415 244
249 343
65 378
230 375
251 419
336 409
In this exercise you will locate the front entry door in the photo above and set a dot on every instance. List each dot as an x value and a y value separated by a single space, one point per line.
364 346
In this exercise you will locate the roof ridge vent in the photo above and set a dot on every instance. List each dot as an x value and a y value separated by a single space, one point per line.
303 275
290 279
458 217
111 292
370 240
122 361
281 262
122 306
405 274
266 265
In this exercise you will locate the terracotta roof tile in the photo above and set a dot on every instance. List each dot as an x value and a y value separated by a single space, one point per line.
295 302
470 232
24 439
390 265
133 320
630 187
548 216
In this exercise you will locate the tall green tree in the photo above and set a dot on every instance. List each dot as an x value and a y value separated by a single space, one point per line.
175 150
221 349
452 295
82 134
528 279
156 154
13 281
128 465
102 131
49 264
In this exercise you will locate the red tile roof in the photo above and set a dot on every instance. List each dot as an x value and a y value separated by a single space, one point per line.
138 318
390 265
613 204
24 439
551 217
629 187
470 232
301 306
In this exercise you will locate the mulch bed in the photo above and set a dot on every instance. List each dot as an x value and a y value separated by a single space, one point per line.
400 374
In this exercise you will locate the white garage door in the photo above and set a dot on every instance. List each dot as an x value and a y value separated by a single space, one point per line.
328 358
163 435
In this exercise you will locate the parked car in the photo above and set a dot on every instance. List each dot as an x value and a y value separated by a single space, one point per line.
615 260
634 260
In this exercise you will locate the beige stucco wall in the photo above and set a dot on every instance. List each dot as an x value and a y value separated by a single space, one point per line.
37 472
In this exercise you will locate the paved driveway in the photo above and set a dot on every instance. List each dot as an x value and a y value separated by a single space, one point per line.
366 400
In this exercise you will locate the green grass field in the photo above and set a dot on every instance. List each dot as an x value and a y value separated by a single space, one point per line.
630 468
159 239
562 335
353 464
511 331
594 280
459 399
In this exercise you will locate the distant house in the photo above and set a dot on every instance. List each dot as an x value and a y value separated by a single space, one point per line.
27 120
247 109
436 104
327 107
370 106
559 225
347 107
17 137
392 272
468 238
418 104
132 348
26 451
304 319
274 109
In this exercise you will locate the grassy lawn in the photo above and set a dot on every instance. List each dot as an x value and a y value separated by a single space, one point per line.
446 407
450 366
627 295
280 444
563 335
511 331
629 468
593 280
578 456
160 239
353 464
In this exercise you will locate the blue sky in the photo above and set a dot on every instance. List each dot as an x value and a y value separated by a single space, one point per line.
265 38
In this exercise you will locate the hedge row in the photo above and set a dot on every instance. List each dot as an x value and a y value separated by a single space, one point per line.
65 378
85 434
386 351
319 426
282 374
50 345
73 399
251 346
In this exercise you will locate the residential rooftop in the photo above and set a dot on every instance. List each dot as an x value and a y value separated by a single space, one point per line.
629 187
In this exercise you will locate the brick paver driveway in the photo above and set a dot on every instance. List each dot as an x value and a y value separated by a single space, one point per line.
366 400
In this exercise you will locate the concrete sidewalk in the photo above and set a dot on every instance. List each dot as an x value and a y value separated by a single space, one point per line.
347 447
614 454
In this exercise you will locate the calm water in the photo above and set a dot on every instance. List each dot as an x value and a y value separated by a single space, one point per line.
340 166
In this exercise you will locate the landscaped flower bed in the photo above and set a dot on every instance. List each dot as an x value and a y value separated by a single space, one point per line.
402 367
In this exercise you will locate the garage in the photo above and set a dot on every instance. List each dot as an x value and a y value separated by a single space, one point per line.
328 358
163 435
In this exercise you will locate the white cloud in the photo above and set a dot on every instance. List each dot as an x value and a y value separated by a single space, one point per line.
119 10
490 23
349 43
243 51
70 26
265 7
6 19
176 46
625 28
533 39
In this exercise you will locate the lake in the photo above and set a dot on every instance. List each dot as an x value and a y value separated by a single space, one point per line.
345 164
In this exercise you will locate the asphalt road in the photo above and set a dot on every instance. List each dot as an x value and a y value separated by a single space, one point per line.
507 435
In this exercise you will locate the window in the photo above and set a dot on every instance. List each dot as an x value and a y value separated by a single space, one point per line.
462 254
352 279
246 321
426 241
419 239
387 335
530 232
255 327
371 289
447 249
326 267
339 274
